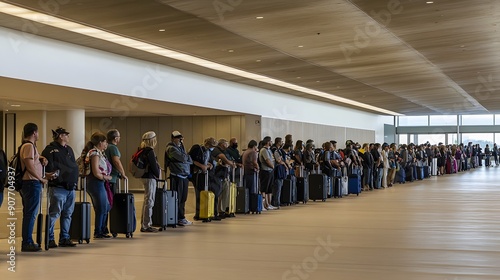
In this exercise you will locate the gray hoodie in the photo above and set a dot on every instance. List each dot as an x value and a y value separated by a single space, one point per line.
178 160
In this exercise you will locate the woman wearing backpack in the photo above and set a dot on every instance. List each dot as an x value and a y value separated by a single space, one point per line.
149 180
100 170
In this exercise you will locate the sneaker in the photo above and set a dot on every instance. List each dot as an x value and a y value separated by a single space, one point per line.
264 209
149 229
66 243
185 222
30 248
102 236
272 207
52 244
216 218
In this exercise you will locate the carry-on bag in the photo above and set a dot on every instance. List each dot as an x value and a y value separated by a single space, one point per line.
80 220
207 203
354 184
318 187
242 197
232 193
337 187
302 185
160 208
256 198
122 215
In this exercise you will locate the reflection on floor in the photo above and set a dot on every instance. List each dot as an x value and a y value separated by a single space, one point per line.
443 228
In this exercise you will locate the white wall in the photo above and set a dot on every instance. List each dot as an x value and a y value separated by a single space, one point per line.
45 60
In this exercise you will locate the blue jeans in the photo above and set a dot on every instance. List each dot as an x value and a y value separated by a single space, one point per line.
97 192
278 184
31 192
62 203
367 177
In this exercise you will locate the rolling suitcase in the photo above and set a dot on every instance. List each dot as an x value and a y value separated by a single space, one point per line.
302 185
159 217
337 187
318 187
345 185
420 172
286 197
256 197
242 197
172 207
354 184
434 169
43 231
232 194
401 175
122 215
207 203
79 229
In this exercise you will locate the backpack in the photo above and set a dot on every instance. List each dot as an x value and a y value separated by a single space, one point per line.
138 163
83 164
15 166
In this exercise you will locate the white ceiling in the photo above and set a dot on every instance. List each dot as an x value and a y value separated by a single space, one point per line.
404 56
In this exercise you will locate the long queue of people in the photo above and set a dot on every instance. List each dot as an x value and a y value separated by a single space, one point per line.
265 167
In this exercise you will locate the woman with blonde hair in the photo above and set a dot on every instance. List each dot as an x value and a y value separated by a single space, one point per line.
152 173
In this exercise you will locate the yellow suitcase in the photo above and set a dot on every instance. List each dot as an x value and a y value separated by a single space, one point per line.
207 202
232 196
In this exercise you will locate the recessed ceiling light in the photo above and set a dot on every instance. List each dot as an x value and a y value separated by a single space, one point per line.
298 77
258 60
164 52
162 30
15 105
230 50
259 17
430 2
301 46
318 81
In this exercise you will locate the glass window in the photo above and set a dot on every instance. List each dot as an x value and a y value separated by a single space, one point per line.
497 120
478 138
443 120
452 139
403 139
477 119
431 138
413 121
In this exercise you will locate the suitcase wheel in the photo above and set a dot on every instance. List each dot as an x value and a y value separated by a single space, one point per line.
114 234
314 200
80 241
87 240
357 194
323 200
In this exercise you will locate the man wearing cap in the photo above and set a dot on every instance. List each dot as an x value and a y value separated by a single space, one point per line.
62 185
201 166
178 162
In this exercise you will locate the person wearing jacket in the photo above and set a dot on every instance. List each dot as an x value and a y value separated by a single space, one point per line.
149 180
178 162
61 160
367 167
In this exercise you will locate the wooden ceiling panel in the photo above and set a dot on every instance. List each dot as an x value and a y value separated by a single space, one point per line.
415 59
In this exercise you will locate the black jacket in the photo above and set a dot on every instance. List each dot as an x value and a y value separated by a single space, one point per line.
63 159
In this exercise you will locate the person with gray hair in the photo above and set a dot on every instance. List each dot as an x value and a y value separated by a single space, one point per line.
148 180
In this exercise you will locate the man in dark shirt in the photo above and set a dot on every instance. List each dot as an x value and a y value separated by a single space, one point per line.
62 185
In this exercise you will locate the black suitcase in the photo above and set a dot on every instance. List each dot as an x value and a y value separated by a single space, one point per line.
122 215
160 216
427 174
420 173
302 185
286 197
318 187
242 196
337 187
79 229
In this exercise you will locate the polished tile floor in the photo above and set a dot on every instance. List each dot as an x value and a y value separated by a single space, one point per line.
445 228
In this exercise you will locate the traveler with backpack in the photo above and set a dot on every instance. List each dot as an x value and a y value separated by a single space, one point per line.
99 175
178 162
148 179
31 187
62 187
202 165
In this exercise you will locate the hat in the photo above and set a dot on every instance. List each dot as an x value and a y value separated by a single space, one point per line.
176 134
148 135
210 142
59 130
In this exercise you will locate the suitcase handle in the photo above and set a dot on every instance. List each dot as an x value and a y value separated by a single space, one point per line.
206 181
83 188
240 183
119 185
159 181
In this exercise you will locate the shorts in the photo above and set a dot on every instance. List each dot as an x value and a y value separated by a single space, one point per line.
266 179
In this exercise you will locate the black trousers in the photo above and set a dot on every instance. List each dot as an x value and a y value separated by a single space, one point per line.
181 186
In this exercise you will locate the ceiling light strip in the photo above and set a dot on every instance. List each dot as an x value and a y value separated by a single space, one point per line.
139 45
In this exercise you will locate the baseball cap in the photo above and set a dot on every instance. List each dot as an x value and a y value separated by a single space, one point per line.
59 130
176 134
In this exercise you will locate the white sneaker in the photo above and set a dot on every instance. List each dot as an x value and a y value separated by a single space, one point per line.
185 222
271 207
264 209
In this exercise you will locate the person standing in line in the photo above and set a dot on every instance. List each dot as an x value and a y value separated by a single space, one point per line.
113 155
61 160
178 162
31 189
266 175
148 180
100 168
201 166
251 167
385 164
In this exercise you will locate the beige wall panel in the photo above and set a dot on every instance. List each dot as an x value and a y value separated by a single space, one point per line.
223 127
197 129
252 128
236 128
209 126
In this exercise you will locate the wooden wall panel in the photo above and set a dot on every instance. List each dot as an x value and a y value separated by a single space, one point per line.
223 127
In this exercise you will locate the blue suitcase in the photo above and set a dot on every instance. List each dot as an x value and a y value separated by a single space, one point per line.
354 184
401 175
255 198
